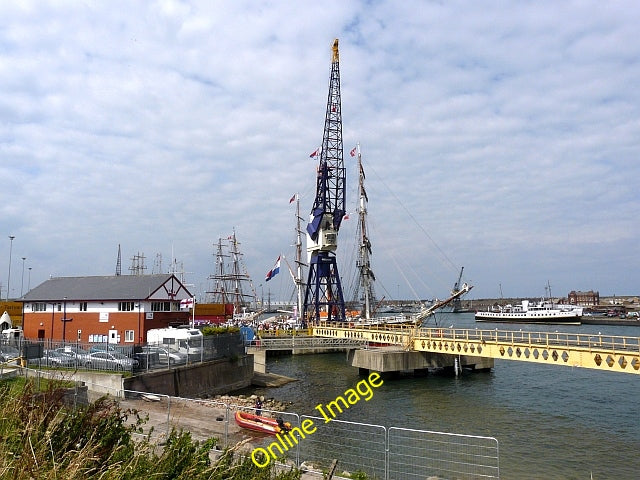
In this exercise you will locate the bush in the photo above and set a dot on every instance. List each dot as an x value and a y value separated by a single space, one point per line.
211 330
42 437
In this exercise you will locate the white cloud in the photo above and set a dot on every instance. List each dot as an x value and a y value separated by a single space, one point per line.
508 134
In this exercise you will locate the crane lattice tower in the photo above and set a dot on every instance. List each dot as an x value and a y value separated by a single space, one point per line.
323 294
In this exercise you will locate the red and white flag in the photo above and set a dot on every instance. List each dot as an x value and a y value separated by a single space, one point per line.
186 303
315 153
292 198
353 151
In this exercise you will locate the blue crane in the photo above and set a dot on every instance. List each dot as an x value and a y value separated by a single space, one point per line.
323 297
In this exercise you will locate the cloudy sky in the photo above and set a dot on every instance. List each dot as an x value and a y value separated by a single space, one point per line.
499 136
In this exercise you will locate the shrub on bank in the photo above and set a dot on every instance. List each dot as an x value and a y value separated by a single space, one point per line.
42 437
212 330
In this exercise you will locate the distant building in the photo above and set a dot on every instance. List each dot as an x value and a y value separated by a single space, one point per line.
114 309
584 298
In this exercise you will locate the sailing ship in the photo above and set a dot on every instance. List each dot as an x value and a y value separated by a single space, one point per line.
364 293
233 296
364 307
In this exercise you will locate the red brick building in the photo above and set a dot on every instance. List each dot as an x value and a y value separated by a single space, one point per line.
584 298
117 309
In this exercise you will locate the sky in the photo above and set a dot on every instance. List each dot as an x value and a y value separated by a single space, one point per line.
502 137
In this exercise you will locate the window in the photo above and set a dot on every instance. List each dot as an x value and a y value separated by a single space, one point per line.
129 335
125 306
38 307
160 306
83 306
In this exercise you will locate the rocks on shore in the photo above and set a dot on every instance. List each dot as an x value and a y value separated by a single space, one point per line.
250 401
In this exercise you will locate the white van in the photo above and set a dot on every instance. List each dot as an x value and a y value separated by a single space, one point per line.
183 340
14 334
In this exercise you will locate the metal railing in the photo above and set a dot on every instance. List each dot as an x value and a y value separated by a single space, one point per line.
380 452
293 342
129 358
399 333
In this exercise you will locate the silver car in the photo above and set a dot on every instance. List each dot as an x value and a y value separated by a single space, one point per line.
77 354
52 358
110 361
165 355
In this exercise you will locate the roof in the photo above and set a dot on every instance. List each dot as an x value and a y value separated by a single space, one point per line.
116 287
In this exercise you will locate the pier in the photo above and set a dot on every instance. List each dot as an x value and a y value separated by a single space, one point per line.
297 344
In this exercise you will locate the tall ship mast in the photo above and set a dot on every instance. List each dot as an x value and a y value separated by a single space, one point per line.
323 297
300 264
364 292
231 278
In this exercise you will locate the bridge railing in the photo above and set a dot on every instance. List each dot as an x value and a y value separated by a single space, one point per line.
614 343
586 341
284 343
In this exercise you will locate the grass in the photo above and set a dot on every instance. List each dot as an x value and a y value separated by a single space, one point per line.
42 437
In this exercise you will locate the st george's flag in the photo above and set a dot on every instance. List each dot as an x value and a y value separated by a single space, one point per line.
186 303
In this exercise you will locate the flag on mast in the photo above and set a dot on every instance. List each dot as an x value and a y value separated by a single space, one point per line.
292 198
186 303
315 153
274 271
353 151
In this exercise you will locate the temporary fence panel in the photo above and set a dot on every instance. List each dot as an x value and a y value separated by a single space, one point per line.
381 453
414 454
356 446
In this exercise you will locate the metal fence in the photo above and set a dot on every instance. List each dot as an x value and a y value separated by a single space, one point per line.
133 358
357 446
381 453
444 455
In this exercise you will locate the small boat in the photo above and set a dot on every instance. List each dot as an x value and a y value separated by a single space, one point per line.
261 424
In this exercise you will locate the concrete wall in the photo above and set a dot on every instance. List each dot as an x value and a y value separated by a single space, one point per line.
395 360
209 378
100 383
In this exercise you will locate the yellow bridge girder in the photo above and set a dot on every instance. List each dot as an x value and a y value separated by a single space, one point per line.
601 352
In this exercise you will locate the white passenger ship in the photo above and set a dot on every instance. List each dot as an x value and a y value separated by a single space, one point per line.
527 312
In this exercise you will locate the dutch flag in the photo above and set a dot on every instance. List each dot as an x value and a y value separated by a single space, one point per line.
274 271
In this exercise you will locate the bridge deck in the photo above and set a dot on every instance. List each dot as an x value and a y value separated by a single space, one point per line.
601 352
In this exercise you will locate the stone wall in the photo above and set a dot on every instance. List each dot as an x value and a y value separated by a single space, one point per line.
205 379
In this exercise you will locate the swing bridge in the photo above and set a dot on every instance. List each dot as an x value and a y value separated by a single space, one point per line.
611 353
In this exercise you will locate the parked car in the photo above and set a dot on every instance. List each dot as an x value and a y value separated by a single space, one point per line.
110 361
105 347
79 355
53 358
166 356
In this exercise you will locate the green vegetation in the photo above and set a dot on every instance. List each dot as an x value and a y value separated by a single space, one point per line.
211 330
43 437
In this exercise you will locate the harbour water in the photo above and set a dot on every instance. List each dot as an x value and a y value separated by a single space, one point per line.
551 422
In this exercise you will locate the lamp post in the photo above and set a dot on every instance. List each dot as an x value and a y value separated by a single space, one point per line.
22 281
11 237
29 282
